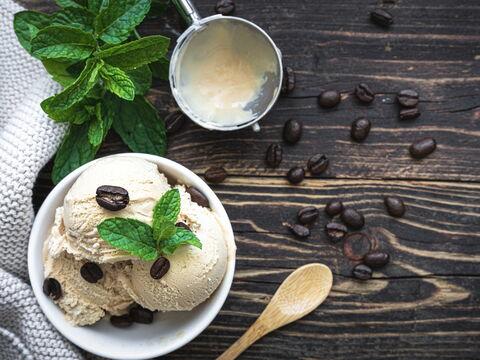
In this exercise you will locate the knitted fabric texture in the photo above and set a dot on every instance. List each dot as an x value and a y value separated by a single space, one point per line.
27 141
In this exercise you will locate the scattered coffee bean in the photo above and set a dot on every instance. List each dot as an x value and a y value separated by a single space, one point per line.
288 81
423 147
112 198
141 315
52 288
376 259
409 113
317 164
381 17
360 129
174 122
225 7
274 155
122 321
356 246
198 197
364 93
408 98
183 225
329 99
159 268
91 272
362 272
352 218
394 205
335 231
308 215
215 175
292 131
334 208
296 175
299 231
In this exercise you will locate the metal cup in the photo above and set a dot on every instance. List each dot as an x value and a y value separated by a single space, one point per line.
271 88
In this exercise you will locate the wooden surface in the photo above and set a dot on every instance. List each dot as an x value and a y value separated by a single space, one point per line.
426 303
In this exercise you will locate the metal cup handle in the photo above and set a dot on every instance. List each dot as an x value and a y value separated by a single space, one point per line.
187 11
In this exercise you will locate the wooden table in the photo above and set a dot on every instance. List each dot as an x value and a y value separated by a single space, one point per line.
426 303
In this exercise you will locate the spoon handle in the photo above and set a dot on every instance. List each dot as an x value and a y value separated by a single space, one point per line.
255 332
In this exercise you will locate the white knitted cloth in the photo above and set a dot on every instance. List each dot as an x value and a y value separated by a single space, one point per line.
27 140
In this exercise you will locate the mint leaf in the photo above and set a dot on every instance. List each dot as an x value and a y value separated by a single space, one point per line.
141 78
71 3
118 82
136 53
75 92
59 71
62 43
163 230
168 207
99 127
182 237
160 68
74 151
76 114
27 24
116 21
138 125
97 5
76 17
129 235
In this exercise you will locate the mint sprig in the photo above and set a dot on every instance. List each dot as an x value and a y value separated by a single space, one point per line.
92 49
149 242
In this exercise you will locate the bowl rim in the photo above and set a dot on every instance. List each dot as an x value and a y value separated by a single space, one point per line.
219 296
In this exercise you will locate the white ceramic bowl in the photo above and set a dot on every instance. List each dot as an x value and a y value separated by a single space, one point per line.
169 331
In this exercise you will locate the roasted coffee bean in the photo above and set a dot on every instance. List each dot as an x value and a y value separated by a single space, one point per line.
408 98
159 268
183 225
198 197
288 81
409 113
112 198
225 7
308 215
364 93
141 315
362 272
122 321
394 205
296 175
329 99
52 288
317 164
381 17
334 208
360 129
376 259
174 122
299 231
215 174
423 147
292 131
274 155
335 231
352 218
91 272
356 246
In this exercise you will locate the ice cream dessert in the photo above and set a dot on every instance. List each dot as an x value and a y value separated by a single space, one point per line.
126 240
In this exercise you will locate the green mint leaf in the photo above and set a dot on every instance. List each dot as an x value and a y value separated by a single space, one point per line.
168 207
118 82
136 53
162 230
182 237
141 78
138 125
74 151
59 71
77 114
62 43
130 235
118 19
75 92
96 6
99 127
76 17
160 68
71 3
27 24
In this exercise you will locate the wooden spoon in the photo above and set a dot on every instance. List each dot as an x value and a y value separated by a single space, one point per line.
301 293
